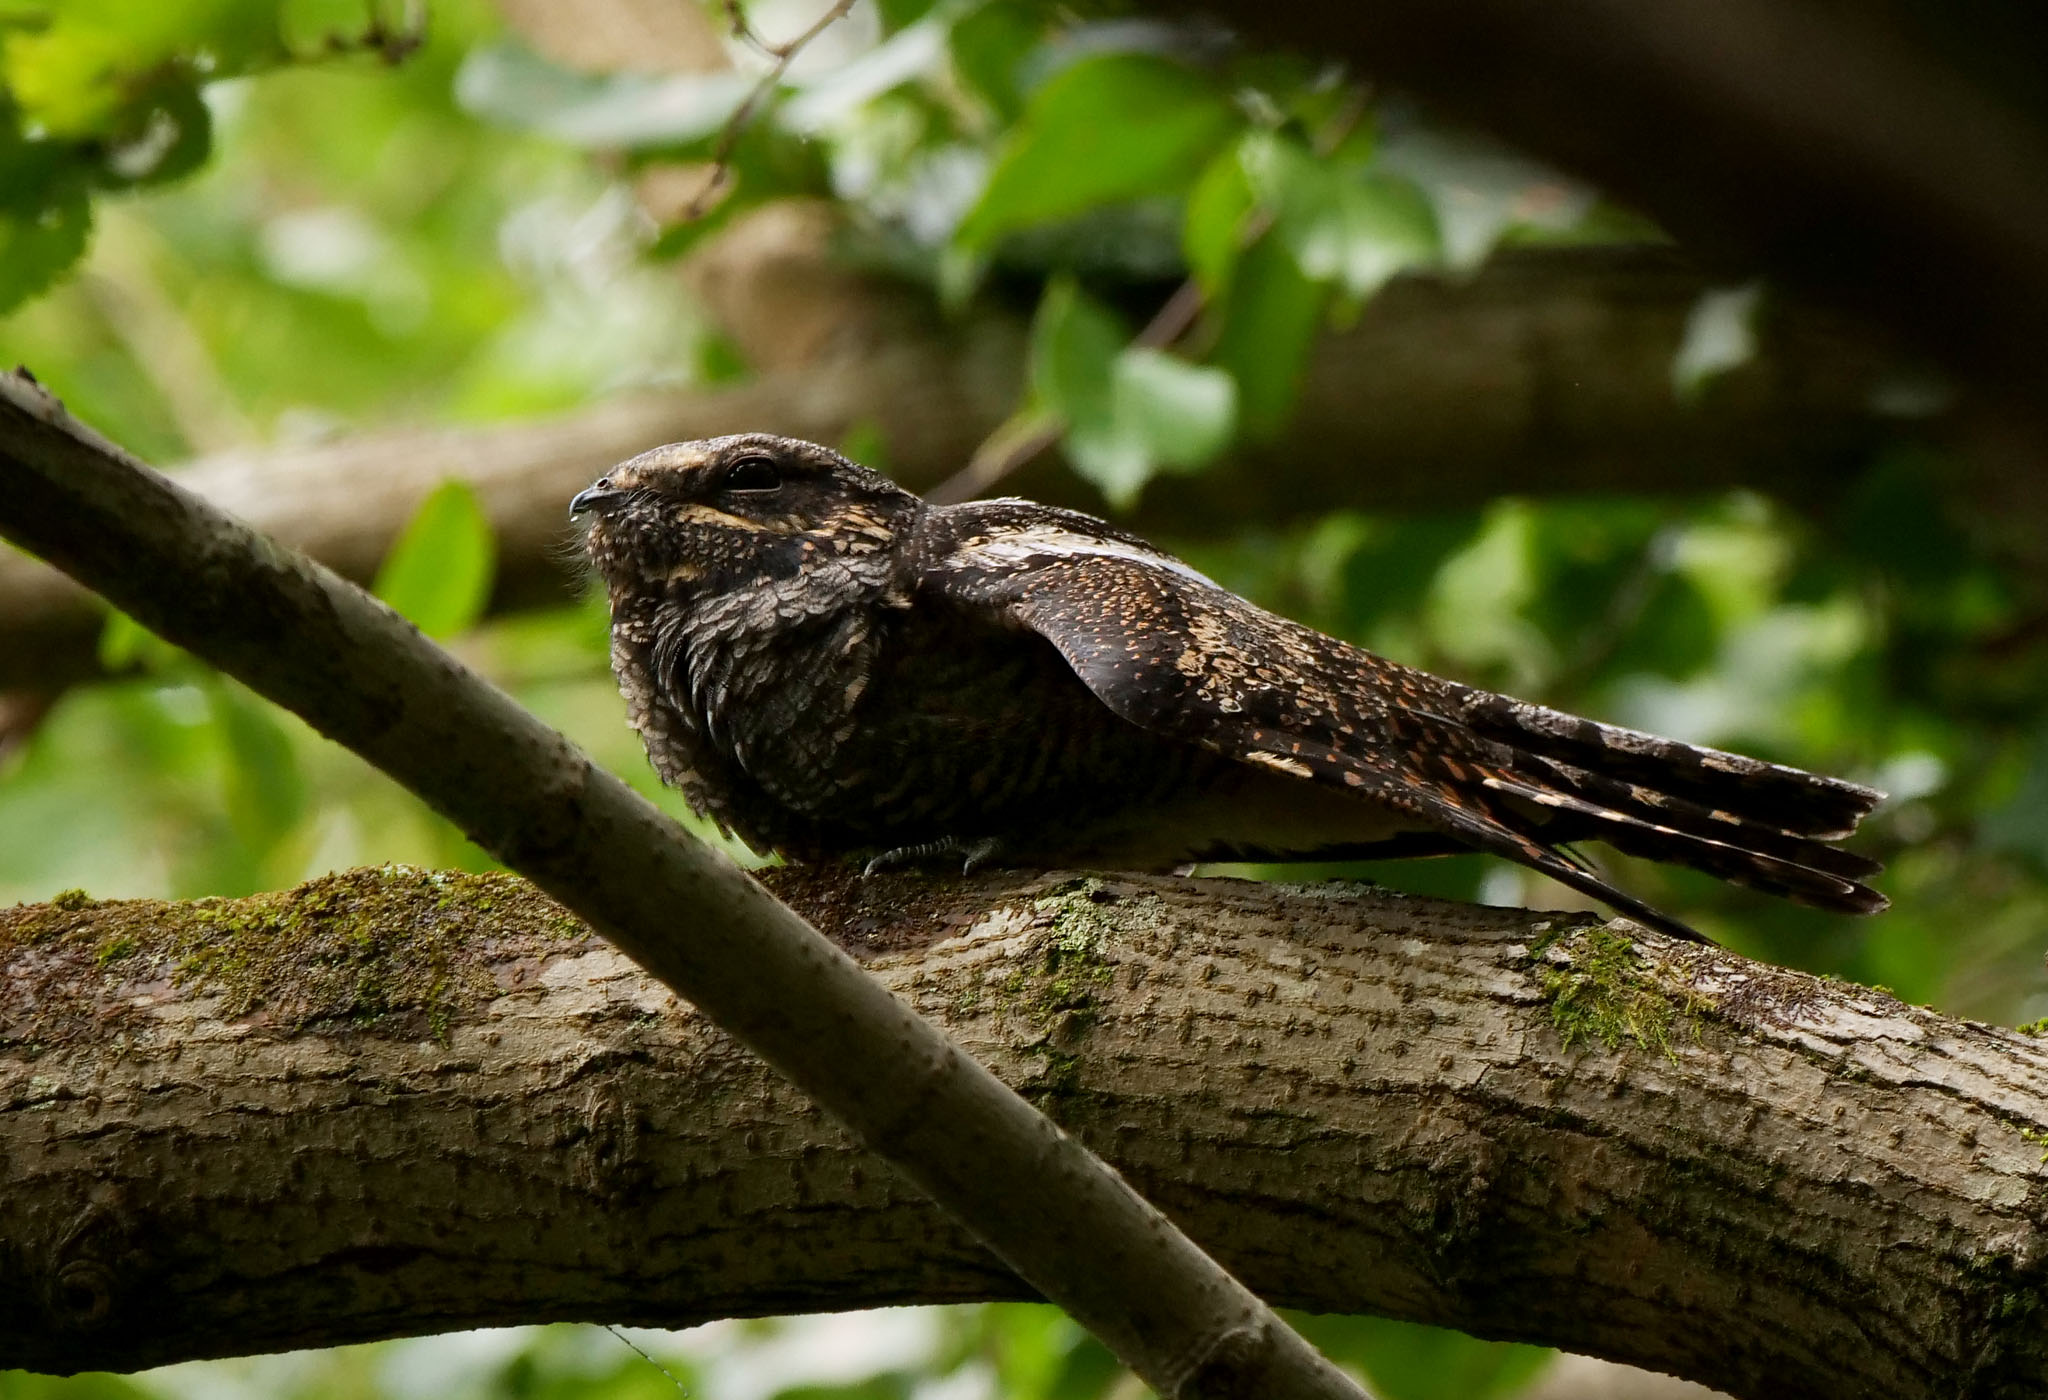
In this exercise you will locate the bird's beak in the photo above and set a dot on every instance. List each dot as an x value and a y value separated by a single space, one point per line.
592 498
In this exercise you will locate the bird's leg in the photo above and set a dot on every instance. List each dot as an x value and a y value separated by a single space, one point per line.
972 856
972 853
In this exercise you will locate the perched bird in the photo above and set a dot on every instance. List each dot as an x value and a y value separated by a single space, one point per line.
828 666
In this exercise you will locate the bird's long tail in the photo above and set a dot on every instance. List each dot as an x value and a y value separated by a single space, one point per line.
1741 819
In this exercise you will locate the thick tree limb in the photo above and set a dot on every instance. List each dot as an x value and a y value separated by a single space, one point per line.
396 1101
1548 372
366 678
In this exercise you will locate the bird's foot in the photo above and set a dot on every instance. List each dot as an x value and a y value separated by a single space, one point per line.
971 853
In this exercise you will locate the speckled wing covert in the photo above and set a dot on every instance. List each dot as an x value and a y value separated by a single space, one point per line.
1167 649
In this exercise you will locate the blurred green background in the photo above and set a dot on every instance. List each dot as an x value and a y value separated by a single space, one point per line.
235 223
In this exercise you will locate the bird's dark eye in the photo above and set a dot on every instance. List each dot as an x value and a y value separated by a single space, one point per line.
753 474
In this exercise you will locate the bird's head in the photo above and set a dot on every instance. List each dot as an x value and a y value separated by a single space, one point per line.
731 512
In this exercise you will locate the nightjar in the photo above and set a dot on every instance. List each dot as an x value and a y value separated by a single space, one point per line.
828 666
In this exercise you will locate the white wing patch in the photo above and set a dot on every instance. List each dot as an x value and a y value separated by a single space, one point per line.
1034 544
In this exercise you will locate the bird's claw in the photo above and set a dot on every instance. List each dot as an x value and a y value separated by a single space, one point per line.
972 854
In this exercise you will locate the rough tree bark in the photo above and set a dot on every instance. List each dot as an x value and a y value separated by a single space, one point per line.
397 1101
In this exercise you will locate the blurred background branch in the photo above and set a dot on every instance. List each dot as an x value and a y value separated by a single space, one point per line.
1547 373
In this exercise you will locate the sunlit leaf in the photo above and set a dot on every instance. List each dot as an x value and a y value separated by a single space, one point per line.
1182 412
75 75
1271 315
1481 191
1213 232
124 642
1355 230
1074 341
1720 335
439 571
509 84
1113 127
1130 412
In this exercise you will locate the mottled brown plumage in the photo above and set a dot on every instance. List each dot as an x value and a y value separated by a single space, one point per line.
826 665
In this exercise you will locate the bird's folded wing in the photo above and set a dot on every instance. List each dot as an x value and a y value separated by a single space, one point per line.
1167 649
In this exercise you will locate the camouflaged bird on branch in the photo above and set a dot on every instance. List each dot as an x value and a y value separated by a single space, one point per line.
828 666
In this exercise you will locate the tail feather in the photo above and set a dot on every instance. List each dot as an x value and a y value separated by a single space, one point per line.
1756 824
1634 804
1739 858
1787 799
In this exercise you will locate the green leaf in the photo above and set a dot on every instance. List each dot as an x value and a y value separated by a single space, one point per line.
901 14
1213 232
865 442
989 44
1271 314
77 76
1182 412
1074 341
1353 230
124 642
1130 412
162 136
38 245
1720 335
1114 127
439 571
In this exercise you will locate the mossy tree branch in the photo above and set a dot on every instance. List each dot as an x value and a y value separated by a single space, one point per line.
395 1101
366 678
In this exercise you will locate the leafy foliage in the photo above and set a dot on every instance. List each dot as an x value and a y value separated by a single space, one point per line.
100 95
454 238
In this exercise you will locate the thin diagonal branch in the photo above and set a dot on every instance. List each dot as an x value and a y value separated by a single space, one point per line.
366 678
744 115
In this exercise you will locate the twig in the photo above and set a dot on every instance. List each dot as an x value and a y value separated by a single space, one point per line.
642 1352
782 55
1021 439
392 43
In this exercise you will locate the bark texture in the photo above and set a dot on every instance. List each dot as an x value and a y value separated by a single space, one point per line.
1547 373
396 1101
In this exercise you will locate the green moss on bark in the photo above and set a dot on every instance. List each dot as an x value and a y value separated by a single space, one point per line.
1601 988
392 947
